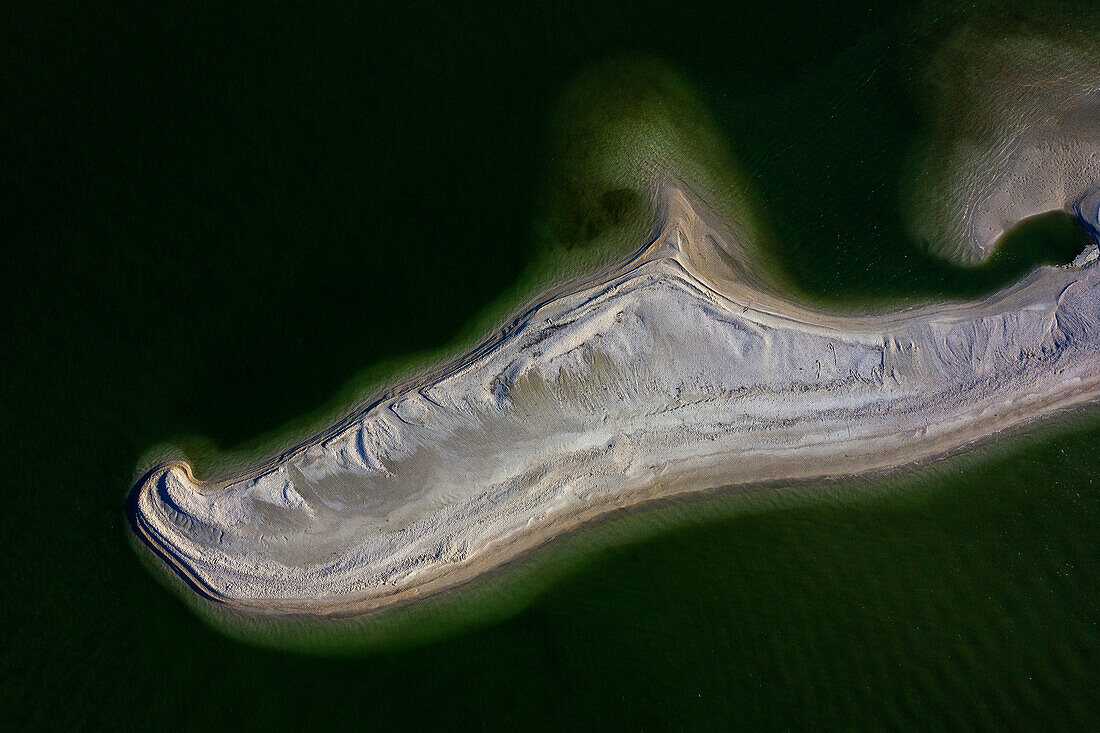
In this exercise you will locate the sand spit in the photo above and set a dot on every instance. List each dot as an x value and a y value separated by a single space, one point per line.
669 373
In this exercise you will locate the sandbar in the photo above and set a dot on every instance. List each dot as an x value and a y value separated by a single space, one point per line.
669 372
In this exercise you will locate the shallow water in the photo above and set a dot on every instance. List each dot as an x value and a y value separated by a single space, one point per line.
225 215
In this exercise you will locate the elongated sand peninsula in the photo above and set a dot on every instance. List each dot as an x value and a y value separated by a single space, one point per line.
668 373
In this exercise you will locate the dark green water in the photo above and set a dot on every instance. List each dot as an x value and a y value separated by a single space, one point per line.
190 193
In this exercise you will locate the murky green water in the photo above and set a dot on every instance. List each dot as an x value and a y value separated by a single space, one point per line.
225 214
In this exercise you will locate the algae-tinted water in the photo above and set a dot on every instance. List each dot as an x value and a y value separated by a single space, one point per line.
222 215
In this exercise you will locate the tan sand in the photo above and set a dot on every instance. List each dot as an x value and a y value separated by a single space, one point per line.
1015 132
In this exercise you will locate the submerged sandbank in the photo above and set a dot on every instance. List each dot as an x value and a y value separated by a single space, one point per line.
1014 120
668 373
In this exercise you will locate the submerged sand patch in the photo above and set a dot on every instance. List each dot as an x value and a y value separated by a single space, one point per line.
1013 131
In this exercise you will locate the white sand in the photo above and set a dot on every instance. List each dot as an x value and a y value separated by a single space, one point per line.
667 375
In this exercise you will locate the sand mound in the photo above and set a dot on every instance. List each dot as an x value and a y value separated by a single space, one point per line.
1015 132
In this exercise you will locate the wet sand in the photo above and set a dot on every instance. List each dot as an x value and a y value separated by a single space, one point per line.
1012 136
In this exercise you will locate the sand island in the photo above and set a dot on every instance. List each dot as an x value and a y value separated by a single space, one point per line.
674 370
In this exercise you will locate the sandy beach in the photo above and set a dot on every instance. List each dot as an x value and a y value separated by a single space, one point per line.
673 371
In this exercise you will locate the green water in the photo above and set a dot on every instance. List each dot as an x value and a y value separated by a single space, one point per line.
197 190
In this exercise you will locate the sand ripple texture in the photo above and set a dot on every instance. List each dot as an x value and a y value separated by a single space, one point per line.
664 375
